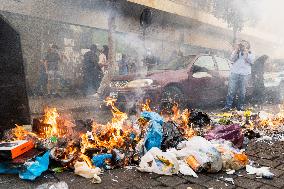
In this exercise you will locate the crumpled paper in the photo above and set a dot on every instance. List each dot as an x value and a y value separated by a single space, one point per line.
82 169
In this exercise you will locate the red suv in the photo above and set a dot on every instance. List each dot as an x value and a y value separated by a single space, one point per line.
195 79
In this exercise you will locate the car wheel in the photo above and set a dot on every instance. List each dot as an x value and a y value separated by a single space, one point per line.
170 96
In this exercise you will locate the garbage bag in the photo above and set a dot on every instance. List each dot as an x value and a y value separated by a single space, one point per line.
171 136
35 168
100 159
82 169
199 119
232 158
185 169
232 133
153 116
263 172
159 162
154 132
203 152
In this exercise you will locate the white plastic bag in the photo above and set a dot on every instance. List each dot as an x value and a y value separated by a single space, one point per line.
82 169
159 162
203 151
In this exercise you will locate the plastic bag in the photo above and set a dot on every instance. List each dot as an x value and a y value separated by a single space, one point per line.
58 185
203 151
260 172
100 159
232 133
35 168
82 169
185 169
232 158
159 162
153 116
199 119
154 133
171 136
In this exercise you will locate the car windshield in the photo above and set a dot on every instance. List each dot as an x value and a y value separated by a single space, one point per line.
176 64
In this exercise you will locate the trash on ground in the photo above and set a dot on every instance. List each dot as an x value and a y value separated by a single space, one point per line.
51 185
263 172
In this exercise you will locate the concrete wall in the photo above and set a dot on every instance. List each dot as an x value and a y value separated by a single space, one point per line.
39 22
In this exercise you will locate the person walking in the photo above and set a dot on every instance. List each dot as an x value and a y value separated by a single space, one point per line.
242 59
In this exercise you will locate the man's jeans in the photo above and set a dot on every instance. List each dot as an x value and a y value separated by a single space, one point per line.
237 83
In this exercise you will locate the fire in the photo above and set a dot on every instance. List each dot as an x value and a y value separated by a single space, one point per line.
112 135
87 160
146 106
20 133
50 118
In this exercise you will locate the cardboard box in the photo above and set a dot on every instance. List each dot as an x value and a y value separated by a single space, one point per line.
11 150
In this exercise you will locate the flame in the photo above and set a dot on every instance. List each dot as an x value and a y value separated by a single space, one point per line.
112 135
87 160
20 133
146 106
50 118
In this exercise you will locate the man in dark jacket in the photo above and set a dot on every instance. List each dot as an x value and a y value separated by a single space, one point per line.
92 71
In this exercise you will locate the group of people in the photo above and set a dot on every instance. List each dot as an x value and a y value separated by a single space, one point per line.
94 67
243 68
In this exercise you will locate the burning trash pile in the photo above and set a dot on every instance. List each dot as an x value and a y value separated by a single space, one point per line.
185 142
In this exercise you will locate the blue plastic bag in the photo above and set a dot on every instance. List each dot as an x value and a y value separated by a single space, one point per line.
99 160
35 168
153 116
154 134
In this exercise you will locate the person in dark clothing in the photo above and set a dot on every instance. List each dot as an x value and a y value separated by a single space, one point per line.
123 65
92 71
51 61
42 81
257 73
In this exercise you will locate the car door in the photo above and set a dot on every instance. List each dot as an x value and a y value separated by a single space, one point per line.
223 66
204 81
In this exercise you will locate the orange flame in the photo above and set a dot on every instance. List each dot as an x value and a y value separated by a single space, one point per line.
109 136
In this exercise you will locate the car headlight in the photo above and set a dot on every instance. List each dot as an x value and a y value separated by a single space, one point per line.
139 83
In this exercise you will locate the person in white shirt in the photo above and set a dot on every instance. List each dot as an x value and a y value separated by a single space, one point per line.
242 59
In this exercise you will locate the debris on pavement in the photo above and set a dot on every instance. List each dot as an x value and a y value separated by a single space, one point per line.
84 170
263 172
51 185
186 142
231 133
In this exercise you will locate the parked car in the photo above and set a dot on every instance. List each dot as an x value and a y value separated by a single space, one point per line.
199 80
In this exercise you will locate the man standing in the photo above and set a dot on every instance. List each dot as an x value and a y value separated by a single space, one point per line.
242 59
92 71
51 61
122 65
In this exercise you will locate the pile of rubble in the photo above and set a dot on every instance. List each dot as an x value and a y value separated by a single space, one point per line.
184 142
